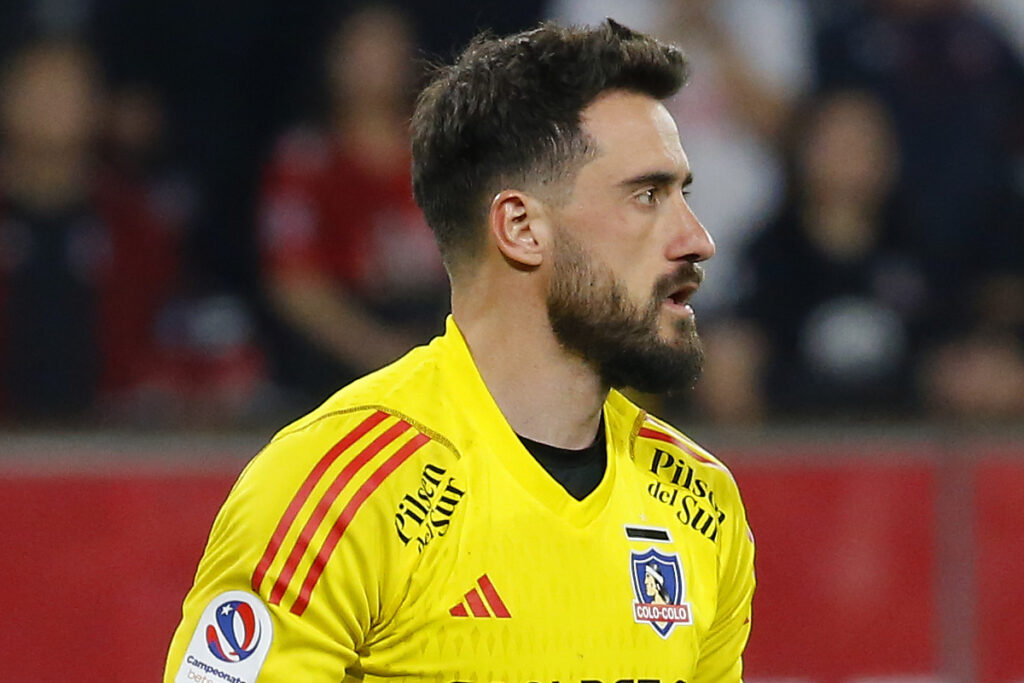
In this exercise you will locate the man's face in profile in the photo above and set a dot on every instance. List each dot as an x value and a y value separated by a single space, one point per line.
626 249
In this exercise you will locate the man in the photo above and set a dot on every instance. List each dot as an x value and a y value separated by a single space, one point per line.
346 253
485 508
87 268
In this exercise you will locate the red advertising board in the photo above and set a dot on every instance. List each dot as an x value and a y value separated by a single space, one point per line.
999 567
854 562
95 568
845 562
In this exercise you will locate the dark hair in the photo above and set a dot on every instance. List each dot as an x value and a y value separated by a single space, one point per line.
508 111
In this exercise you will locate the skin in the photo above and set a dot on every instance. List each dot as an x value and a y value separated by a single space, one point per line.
49 109
640 230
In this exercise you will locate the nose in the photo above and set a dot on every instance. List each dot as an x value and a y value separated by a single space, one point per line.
690 241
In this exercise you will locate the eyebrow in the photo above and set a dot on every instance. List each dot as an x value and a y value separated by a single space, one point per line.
658 178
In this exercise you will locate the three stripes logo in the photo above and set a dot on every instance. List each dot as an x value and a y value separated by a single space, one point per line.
476 602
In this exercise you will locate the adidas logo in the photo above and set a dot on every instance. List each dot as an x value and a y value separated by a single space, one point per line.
478 602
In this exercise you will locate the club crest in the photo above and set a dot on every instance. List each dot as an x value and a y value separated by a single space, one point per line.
660 590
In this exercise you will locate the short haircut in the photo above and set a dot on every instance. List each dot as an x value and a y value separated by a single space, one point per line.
507 114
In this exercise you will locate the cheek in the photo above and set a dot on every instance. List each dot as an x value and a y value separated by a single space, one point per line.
620 243
639 275
603 223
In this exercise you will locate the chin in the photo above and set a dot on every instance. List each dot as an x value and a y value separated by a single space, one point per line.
680 334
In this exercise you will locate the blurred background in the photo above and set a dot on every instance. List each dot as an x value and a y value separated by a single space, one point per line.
205 211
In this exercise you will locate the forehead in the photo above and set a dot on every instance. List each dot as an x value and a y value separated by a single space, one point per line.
633 134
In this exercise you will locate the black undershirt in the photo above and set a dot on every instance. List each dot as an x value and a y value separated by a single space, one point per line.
578 471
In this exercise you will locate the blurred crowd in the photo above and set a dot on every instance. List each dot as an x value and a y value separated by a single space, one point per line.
206 216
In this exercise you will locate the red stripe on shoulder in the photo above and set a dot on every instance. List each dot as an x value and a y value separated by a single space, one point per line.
343 521
303 493
648 433
322 507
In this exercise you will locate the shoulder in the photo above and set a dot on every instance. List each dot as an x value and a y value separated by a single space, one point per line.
327 493
368 441
369 437
318 512
706 491
655 433
677 460
664 452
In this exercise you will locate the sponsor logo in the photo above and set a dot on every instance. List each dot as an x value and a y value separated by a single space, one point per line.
214 676
476 602
230 642
692 497
426 513
236 634
660 590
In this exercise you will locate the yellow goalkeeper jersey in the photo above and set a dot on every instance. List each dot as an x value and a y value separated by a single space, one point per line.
402 532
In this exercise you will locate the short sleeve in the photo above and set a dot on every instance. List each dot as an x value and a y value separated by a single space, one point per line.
294 557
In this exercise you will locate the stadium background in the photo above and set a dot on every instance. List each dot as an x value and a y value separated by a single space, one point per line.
889 541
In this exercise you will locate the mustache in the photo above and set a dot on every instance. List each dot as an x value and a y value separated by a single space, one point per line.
686 274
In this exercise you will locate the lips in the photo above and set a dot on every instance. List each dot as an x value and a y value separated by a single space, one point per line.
679 286
682 294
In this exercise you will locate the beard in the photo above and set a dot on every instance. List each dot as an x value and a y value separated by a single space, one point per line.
593 317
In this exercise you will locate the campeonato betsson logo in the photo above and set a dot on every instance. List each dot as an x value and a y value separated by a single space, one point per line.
236 633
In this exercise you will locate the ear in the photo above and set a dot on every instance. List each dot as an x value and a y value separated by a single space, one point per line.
520 227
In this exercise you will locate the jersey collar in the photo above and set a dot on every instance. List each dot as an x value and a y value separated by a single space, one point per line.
483 429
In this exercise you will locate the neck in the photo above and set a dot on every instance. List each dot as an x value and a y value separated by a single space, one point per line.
546 393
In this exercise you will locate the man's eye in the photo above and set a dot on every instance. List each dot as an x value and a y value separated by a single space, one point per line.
649 196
